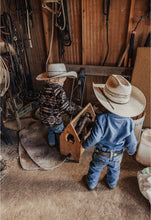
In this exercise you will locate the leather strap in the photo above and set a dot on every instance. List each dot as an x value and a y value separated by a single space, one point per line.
108 153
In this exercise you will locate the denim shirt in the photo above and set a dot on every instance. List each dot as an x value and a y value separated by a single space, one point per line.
112 133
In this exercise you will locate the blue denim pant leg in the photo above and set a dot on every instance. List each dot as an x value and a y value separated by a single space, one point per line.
113 170
95 168
54 134
58 130
51 136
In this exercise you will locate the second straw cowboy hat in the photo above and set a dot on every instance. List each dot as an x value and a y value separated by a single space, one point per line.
56 70
120 97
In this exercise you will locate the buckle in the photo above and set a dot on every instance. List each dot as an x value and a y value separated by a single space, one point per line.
117 153
108 153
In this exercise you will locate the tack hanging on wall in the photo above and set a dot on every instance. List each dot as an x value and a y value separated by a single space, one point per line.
106 10
58 9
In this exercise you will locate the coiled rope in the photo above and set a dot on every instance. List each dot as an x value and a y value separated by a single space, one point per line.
4 77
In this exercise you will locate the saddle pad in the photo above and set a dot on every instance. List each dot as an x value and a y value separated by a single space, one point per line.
34 150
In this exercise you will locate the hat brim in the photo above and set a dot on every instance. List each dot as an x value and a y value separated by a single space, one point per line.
134 107
44 76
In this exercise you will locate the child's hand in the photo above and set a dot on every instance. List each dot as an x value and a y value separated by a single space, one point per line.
133 156
82 140
76 108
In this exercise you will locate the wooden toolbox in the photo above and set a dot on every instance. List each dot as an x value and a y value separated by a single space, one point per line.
77 130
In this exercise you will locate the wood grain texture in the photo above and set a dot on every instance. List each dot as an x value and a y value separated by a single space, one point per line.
73 146
88 33
142 79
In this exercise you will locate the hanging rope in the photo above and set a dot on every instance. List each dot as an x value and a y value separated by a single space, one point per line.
59 10
52 31
50 47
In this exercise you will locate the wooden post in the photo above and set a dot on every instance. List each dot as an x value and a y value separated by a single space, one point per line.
84 6
129 29
47 28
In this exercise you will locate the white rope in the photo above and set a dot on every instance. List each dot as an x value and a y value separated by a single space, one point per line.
58 165
4 77
50 47
54 12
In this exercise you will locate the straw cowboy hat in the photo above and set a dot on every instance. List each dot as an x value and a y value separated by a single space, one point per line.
120 97
56 70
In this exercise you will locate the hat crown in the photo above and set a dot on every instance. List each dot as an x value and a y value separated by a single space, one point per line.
117 89
56 69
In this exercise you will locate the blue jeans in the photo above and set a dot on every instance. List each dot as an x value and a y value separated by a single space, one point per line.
96 165
54 134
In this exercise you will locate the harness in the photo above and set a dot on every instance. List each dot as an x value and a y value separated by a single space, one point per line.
15 67
60 20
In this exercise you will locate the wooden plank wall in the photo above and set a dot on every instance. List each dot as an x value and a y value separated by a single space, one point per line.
88 31
88 34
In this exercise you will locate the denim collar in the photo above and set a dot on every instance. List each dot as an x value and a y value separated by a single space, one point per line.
114 115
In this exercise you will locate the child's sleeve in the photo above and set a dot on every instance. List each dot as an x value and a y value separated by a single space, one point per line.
65 104
94 137
131 142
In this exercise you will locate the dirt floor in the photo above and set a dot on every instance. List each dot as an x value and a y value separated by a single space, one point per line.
60 194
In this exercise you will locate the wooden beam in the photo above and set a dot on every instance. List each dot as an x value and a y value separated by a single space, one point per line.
129 29
91 70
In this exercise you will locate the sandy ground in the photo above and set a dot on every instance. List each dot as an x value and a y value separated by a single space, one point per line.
60 194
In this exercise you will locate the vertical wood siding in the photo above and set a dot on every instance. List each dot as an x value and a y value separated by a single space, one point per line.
88 33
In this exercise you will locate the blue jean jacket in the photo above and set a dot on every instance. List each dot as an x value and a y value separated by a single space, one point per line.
112 132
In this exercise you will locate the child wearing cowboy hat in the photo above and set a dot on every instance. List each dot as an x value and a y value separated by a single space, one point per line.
53 100
113 130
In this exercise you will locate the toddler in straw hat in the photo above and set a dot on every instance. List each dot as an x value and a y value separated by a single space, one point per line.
53 100
113 130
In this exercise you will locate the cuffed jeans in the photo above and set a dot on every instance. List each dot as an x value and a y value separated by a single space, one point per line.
96 165
54 134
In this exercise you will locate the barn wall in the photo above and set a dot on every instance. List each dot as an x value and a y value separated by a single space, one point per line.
88 34
88 31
